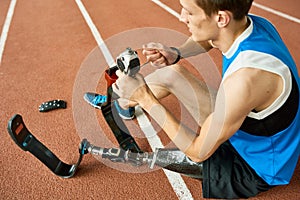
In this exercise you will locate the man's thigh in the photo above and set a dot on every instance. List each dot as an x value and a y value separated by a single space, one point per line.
194 94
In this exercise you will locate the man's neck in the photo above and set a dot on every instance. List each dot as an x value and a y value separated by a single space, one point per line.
230 33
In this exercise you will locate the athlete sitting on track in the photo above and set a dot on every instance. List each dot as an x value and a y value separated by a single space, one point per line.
249 139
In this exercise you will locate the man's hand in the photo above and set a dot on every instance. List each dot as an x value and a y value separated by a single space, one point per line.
159 55
131 90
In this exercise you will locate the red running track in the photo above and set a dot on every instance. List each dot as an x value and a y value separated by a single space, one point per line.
46 45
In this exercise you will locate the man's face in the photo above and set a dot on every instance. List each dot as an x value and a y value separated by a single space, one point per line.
201 26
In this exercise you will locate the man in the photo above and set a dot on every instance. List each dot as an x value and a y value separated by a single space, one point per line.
249 138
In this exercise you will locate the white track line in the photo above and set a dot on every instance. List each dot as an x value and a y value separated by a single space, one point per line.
107 55
167 8
6 26
178 184
175 179
276 12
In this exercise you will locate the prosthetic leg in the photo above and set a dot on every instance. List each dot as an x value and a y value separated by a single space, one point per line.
171 159
176 161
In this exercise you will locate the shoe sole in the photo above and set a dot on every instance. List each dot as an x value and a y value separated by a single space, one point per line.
126 118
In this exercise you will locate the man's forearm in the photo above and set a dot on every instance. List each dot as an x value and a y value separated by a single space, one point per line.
192 48
182 136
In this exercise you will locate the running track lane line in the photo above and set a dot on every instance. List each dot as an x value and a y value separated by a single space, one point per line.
107 55
6 26
273 11
175 179
276 12
178 184
167 8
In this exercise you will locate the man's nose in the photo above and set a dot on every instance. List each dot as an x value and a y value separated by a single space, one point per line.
184 16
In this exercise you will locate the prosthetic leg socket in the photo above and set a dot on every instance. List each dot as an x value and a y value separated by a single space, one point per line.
176 161
171 159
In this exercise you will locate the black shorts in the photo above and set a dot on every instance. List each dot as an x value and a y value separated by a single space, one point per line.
227 175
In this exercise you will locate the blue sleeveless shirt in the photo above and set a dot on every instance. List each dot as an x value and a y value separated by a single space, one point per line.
273 157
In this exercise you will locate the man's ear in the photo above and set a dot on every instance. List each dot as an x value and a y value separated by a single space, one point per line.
223 18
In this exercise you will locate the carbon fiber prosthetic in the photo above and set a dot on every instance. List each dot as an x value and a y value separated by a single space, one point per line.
175 160
171 159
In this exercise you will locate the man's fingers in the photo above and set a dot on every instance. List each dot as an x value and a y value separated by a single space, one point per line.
160 62
153 57
115 88
119 73
153 47
125 103
149 52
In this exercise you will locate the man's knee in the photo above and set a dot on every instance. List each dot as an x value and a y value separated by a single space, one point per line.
169 74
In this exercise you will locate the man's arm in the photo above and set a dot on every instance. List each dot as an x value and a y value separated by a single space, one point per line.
239 94
231 108
162 56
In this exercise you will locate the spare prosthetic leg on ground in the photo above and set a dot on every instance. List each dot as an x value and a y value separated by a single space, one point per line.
27 142
129 151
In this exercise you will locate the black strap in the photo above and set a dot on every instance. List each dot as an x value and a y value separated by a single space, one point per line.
26 141
178 55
